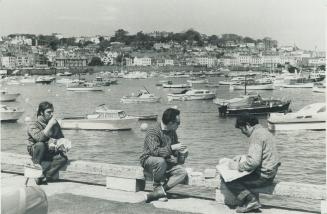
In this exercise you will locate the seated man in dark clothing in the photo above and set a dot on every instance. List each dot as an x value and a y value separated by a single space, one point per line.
163 155
40 133
262 159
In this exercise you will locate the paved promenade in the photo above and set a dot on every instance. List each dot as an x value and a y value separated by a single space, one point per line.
71 197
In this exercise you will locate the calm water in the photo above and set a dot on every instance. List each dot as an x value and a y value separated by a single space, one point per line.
207 136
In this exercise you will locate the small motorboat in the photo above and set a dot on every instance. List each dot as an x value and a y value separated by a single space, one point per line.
83 86
100 81
27 79
143 96
192 94
10 114
252 105
44 79
251 84
319 87
197 81
312 117
171 85
103 119
7 97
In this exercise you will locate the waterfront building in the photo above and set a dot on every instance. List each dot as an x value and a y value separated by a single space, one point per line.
316 61
24 61
67 62
8 61
144 61
129 61
169 62
206 61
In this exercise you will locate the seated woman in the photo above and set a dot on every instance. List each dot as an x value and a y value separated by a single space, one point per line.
40 133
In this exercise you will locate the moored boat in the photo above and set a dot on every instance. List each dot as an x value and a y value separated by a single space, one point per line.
103 119
253 105
10 114
83 86
7 97
171 85
312 117
143 96
319 87
44 79
192 94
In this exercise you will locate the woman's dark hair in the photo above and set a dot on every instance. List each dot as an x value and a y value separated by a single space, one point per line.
245 118
169 115
43 106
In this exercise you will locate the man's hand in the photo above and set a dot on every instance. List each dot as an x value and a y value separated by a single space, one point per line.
233 165
52 121
178 147
237 158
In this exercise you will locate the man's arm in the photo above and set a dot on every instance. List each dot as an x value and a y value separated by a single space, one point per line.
152 142
37 133
253 158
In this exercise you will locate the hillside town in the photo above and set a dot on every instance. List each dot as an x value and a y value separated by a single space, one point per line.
190 48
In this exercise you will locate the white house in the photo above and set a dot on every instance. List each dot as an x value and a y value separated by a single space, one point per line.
144 61
8 61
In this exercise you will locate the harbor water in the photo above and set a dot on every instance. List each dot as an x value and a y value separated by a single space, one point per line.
207 136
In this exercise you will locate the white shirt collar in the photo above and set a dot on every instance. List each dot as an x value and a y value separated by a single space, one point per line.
163 126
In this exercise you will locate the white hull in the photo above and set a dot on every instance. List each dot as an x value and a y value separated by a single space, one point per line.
320 125
197 81
304 85
84 89
10 116
136 100
98 124
8 97
253 87
176 86
319 90
184 97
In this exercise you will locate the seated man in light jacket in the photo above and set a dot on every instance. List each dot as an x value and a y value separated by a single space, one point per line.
262 159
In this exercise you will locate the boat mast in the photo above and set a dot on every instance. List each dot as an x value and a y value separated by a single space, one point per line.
245 84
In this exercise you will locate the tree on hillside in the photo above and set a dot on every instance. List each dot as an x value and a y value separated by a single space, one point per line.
95 61
248 40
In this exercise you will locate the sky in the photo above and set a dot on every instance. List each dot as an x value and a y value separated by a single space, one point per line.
299 22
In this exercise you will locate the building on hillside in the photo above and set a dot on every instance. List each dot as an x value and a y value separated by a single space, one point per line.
144 61
128 61
206 61
24 61
8 61
169 62
316 61
67 62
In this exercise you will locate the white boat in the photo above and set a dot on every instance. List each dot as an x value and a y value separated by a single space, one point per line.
253 87
319 87
10 114
66 73
243 99
143 96
298 85
103 119
311 117
83 86
6 97
136 75
168 85
198 81
27 79
44 79
192 94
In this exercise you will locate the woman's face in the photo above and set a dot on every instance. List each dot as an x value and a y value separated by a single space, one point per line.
48 113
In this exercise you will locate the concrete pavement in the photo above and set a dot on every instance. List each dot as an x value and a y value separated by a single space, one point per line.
80 197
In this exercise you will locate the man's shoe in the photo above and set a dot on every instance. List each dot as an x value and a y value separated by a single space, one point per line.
157 193
248 207
41 181
163 199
